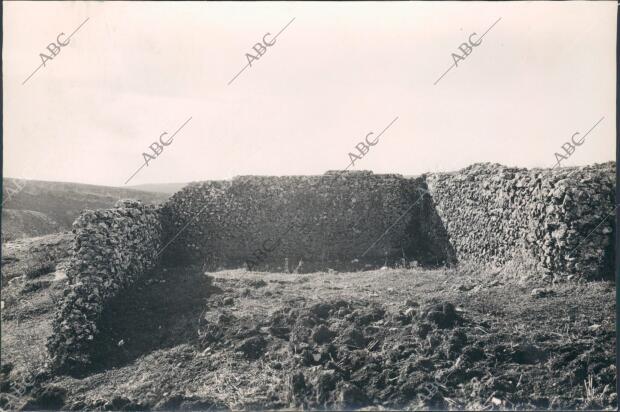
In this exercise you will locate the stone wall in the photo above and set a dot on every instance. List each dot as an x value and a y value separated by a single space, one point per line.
326 221
112 248
560 219
563 219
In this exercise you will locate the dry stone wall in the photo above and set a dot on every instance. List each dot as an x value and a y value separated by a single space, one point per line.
112 248
563 219
326 221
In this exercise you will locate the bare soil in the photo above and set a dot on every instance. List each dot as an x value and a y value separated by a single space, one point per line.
384 339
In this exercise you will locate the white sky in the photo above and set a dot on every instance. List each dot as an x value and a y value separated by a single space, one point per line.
337 73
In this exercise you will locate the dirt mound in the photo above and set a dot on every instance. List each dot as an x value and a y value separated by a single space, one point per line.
356 354
348 354
416 354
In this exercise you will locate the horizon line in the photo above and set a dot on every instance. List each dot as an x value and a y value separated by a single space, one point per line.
133 187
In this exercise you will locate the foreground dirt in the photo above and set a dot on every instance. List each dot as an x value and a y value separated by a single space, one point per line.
411 339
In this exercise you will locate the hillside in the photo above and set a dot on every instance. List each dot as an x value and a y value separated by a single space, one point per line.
42 207
18 224
167 188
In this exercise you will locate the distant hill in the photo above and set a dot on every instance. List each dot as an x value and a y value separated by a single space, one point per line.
17 224
168 188
34 207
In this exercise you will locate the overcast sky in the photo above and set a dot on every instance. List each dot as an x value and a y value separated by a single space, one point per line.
338 72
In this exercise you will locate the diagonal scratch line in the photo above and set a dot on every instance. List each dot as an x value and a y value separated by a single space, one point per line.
393 224
577 169
339 173
336 175
36 70
43 64
182 229
584 136
454 65
171 137
388 126
79 27
188 223
182 126
593 230
592 128
446 72
135 173
247 65
233 79
284 28
489 29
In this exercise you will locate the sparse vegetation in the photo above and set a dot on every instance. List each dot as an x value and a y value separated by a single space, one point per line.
351 340
43 264
35 257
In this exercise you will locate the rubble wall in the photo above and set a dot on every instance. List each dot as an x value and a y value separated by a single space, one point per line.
112 248
563 219
337 220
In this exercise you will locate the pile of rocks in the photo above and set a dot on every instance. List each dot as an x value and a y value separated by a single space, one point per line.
562 219
112 248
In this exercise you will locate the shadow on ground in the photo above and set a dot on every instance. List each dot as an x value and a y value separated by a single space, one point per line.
160 311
